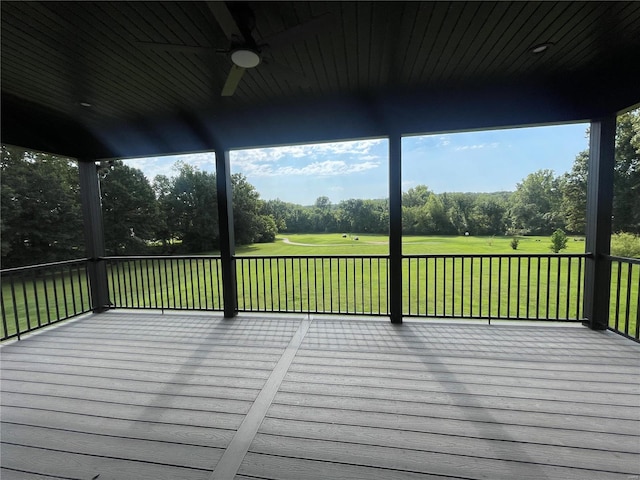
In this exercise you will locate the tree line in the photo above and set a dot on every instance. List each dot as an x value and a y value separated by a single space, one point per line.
41 218
541 203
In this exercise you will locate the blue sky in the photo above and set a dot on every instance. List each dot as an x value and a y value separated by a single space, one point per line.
484 161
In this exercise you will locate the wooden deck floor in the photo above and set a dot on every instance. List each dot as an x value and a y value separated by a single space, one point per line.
129 395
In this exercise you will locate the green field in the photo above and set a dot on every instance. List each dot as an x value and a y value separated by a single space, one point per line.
335 244
546 287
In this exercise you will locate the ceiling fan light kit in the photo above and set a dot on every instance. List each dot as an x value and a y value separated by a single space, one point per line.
245 58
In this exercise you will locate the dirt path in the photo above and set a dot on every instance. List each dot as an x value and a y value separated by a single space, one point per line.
288 242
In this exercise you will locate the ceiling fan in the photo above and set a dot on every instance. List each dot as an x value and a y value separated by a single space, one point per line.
237 21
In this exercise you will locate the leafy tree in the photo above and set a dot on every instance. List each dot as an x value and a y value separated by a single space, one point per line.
460 211
413 202
626 198
558 240
322 217
267 229
488 215
365 216
40 208
129 210
247 208
323 203
536 206
298 218
278 210
416 197
626 214
574 194
436 220
191 205
188 207
165 227
410 220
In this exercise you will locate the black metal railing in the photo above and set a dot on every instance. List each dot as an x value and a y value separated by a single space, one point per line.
348 284
513 287
523 287
624 303
169 282
36 296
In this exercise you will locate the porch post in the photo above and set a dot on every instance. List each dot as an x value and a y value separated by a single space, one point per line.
597 276
395 227
94 234
227 240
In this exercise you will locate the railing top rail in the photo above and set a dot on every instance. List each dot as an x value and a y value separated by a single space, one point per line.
157 257
634 261
498 255
379 256
347 256
42 265
429 255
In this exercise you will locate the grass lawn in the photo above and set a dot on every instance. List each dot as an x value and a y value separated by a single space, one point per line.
34 299
335 244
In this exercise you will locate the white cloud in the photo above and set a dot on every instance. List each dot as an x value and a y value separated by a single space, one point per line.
317 159
478 146
444 141
358 147
325 168
322 159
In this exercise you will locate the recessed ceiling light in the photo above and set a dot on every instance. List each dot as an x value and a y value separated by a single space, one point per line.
542 47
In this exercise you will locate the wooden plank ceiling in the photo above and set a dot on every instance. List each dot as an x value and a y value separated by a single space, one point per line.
373 67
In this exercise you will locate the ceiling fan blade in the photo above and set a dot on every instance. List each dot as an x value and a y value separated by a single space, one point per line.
171 47
226 21
304 30
233 79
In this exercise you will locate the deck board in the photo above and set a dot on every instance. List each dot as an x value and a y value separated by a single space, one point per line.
161 452
60 463
551 434
143 395
203 401
542 414
394 459
190 434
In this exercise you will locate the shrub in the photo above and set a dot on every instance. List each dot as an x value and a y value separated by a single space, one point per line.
625 244
514 243
558 240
